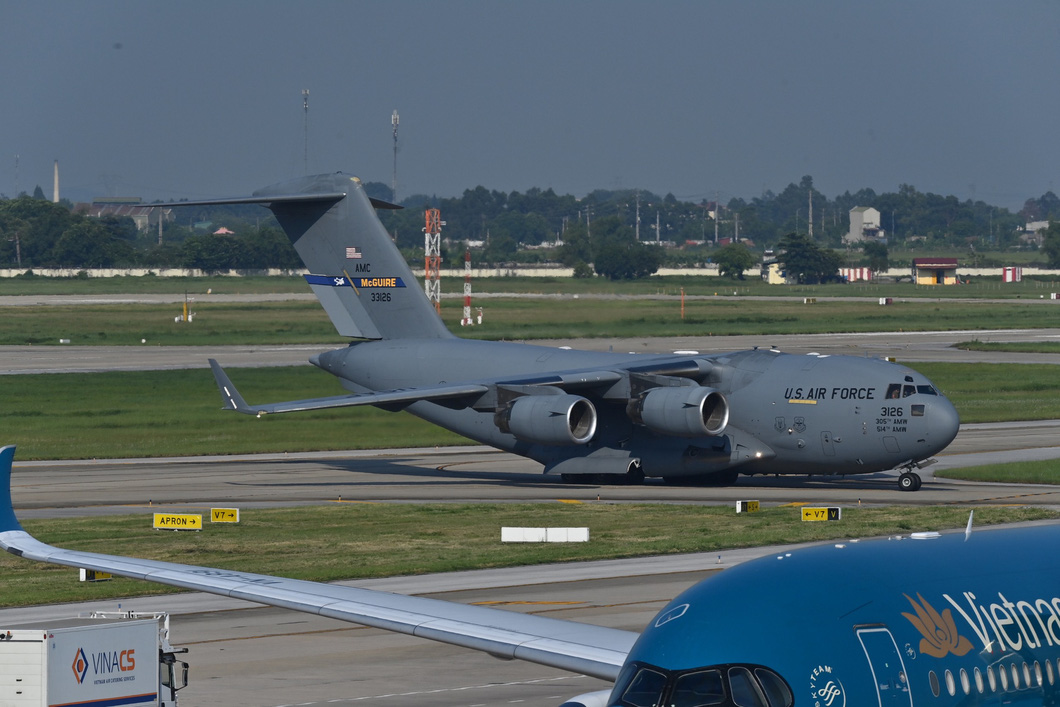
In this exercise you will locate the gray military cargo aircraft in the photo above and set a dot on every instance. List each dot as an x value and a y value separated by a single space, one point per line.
587 416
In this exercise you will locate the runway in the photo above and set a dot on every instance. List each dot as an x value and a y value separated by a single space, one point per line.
243 655
902 346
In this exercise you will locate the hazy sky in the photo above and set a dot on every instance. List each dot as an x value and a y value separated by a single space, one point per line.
197 99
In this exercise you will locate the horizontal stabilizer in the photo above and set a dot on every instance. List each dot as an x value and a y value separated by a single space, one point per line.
263 199
234 401
282 199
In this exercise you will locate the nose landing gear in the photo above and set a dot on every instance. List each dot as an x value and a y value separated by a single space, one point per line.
909 481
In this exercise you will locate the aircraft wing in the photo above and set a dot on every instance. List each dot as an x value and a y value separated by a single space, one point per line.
568 645
456 394
234 401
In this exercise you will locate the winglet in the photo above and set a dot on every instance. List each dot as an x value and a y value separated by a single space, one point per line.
968 528
8 521
229 394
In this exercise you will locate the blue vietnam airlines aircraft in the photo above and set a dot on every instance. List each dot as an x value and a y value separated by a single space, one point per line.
587 416
930 620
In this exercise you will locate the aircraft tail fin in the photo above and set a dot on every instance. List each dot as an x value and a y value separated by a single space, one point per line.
356 271
8 521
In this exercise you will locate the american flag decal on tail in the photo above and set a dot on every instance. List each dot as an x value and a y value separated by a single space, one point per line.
353 254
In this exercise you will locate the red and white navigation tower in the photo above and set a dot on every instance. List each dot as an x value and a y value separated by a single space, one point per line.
432 258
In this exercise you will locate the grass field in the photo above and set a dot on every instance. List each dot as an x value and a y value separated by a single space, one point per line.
346 541
302 322
992 287
176 413
1032 472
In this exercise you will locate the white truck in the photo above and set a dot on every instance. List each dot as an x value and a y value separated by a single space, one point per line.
99 659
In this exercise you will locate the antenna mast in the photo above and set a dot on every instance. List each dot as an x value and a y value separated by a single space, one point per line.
393 184
305 129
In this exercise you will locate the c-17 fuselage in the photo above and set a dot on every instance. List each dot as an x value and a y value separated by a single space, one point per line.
585 415
786 414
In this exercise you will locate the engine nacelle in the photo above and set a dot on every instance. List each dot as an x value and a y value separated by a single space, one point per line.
686 411
562 420
589 699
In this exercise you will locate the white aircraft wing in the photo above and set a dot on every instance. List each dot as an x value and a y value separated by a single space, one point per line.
581 648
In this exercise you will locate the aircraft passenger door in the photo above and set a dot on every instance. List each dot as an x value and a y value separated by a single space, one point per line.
888 669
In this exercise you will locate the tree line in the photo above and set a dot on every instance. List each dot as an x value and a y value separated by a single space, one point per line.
610 232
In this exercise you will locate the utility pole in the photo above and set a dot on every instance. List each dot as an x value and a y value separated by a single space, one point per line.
393 183
638 217
717 215
305 130
811 215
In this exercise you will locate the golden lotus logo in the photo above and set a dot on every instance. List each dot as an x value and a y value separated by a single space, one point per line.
939 630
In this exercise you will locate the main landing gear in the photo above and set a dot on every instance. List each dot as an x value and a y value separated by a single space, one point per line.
909 481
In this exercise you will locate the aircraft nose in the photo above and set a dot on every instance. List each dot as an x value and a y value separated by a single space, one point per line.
945 422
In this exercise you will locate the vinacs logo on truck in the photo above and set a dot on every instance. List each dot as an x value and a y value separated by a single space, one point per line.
104 665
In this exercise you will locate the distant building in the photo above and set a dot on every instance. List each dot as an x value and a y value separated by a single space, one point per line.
1034 233
773 273
935 271
855 274
143 215
864 225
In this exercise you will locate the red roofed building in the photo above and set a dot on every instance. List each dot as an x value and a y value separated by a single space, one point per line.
935 271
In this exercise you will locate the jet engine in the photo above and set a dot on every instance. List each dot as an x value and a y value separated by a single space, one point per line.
549 419
685 411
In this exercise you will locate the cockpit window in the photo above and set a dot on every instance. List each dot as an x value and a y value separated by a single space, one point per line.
926 390
645 690
776 690
727 685
745 691
894 391
698 689
908 390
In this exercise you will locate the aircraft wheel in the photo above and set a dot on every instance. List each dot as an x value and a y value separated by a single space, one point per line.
635 475
909 481
718 478
724 478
